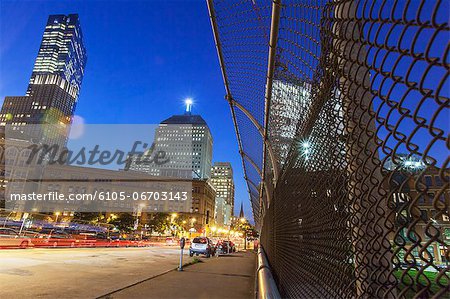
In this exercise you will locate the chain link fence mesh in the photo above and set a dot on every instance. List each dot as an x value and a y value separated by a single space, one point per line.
350 183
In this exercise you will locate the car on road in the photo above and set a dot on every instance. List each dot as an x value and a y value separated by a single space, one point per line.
202 245
85 239
54 238
11 238
171 241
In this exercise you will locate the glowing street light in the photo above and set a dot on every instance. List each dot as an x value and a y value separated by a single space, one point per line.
305 148
57 215
305 145
173 216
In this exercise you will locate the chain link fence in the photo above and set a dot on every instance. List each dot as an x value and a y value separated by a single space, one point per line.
341 113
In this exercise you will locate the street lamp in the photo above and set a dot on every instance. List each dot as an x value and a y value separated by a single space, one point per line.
305 149
244 226
213 230
138 215
6 219
191 230
57 215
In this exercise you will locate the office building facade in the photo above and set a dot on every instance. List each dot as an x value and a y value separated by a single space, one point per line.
223 182
186 142
56 78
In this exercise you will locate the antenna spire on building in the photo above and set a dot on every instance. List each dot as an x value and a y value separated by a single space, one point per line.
241 212
188 103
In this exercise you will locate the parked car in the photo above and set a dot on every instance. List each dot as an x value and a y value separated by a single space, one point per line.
202 245
410 264
443 267
10 238
225 247
232 246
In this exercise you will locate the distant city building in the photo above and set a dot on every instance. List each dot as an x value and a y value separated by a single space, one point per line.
223 182
420 200
186 141
220 211
56 79
228 215
203 199
88 180
289 104
404 161
202 142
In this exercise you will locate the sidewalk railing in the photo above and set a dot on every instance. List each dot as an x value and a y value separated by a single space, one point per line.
266 286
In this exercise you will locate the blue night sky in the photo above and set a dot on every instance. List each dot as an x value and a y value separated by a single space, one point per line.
144 58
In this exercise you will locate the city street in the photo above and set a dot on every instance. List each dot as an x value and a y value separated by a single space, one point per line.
81 272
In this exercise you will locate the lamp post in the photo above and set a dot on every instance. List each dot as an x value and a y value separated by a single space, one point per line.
192 229
138 215
183 227
6 219
244 221
57 215
173 224
24 218
213 230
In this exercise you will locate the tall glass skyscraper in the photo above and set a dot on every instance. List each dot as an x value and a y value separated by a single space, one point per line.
62 51
56 79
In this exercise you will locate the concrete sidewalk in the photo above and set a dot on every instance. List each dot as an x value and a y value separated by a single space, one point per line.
230 276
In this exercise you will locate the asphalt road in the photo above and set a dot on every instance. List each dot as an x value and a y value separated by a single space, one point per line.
80 272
